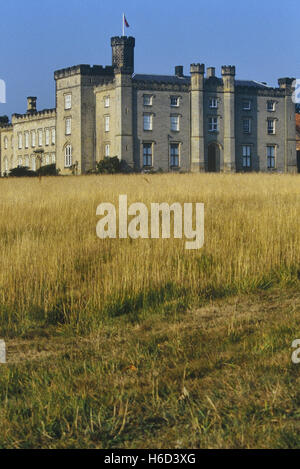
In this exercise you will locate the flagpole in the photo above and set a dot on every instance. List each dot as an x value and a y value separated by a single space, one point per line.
123 24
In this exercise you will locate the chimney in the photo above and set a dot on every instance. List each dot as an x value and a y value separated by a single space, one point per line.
211 72
179 71
31 104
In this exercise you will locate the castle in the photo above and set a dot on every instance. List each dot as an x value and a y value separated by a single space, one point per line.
198 122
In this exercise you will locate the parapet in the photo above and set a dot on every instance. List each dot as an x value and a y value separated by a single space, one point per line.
83 69
197 68
228 70
45 113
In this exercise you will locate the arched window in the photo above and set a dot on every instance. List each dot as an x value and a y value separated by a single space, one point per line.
5 143
68 156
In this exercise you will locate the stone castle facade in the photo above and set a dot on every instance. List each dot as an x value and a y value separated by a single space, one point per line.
198 122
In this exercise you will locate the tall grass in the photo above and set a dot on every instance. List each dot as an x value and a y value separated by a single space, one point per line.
54 269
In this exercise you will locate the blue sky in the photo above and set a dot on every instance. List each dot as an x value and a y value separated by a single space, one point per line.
37 37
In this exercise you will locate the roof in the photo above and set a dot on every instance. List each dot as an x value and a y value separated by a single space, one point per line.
186 80
173 79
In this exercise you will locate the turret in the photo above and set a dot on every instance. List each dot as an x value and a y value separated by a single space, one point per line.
123 53
228 75
31 104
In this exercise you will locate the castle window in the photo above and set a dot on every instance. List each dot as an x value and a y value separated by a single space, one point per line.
271 126
107 150
33 164
147 154
213 103
68 156
247 105
53 158
33 135
68 101
40 137
271 106
148 100
247 126
246 156
213 124
26 139
20 141
174 101
106 101
53 133
175 123
27 161
5 143
5 165
68 126
107 122
20 161
148 121
174 155
47 136
271 156
47 159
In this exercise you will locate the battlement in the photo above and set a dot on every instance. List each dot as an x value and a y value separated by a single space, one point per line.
4 126
197 68
34 115
123 40
83 69
228 70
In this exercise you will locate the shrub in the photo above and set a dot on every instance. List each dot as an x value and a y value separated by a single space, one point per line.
109 165
21 171
48 170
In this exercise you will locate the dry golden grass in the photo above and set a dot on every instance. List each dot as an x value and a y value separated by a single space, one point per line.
54 268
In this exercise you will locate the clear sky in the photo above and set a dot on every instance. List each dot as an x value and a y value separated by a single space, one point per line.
260 37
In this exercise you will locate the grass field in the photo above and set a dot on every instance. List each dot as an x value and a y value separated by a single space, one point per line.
141 343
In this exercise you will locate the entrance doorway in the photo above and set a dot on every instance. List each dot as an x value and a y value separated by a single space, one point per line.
213 158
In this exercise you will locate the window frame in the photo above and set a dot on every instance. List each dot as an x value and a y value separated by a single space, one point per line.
107 123
172 156
68 125
212 100
247 156
273 128
68 156
146 164
177 127
249 107
68 96
150 103
150 117
177 102
213 127
273 106
271 157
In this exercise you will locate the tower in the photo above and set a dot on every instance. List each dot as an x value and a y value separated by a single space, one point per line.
197 121
123 53
290 159
123 64
228 74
